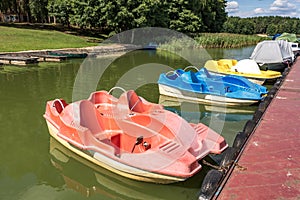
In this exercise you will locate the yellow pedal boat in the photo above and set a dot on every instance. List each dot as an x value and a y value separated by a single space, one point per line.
247 68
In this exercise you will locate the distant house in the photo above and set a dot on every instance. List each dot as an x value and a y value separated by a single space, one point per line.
12 17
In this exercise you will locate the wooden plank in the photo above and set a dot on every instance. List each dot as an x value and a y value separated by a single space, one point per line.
48 58
17 60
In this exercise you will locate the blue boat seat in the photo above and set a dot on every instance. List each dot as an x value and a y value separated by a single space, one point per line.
190 77
194 77
206 73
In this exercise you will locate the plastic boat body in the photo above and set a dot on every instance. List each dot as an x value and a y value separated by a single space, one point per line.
132 137
204 87
246 68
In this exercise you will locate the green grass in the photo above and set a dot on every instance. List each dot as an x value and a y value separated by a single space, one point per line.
13 39
22 39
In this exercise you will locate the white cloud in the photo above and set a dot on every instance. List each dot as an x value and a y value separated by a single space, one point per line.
259 11
275 8
283 7
278 8
232 7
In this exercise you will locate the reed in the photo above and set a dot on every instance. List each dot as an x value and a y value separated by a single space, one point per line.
212 40
226 40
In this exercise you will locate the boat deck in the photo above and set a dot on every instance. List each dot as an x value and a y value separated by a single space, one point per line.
270 163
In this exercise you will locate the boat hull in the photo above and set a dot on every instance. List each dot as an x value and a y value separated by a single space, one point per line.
132 137
112 165
273 66
203 98
69 55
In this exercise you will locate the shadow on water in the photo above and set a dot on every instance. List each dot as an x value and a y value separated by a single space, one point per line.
102 184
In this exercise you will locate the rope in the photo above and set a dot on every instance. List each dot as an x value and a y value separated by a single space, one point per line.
223 169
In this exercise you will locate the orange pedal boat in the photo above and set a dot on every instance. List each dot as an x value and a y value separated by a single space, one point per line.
132 137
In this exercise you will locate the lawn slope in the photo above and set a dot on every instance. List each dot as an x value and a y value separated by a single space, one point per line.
22 39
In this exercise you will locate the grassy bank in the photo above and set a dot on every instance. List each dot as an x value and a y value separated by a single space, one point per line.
19 37
22 39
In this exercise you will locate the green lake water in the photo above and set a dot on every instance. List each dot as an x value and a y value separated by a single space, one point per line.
27 168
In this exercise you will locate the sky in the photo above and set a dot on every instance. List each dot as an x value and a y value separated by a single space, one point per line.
253 8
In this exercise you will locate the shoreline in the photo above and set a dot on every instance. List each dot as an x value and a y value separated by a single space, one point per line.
91 51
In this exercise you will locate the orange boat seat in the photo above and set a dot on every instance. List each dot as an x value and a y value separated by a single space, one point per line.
59 104
99 98
135 103
89 118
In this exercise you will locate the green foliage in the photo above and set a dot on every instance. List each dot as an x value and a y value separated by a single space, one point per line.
114 16
61 9
213 14
262 25
39 10
183 18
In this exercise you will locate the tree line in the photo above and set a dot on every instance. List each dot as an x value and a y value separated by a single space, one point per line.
114 16
269 25
187 16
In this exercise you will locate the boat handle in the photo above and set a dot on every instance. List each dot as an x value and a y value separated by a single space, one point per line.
173 72
191 67
116 87
61 104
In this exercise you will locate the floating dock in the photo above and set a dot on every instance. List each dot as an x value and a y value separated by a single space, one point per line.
48 58
269 166
16 60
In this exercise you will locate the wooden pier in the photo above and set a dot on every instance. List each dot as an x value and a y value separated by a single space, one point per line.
48 58
269 166
13 60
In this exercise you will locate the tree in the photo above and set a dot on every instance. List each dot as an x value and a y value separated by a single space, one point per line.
213 15
38 9
272 29
151 13
183 18
267 24
61 10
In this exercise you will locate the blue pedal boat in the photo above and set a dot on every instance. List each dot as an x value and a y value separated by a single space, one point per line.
203 87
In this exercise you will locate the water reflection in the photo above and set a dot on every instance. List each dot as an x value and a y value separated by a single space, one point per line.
92 181
232 119
234 53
